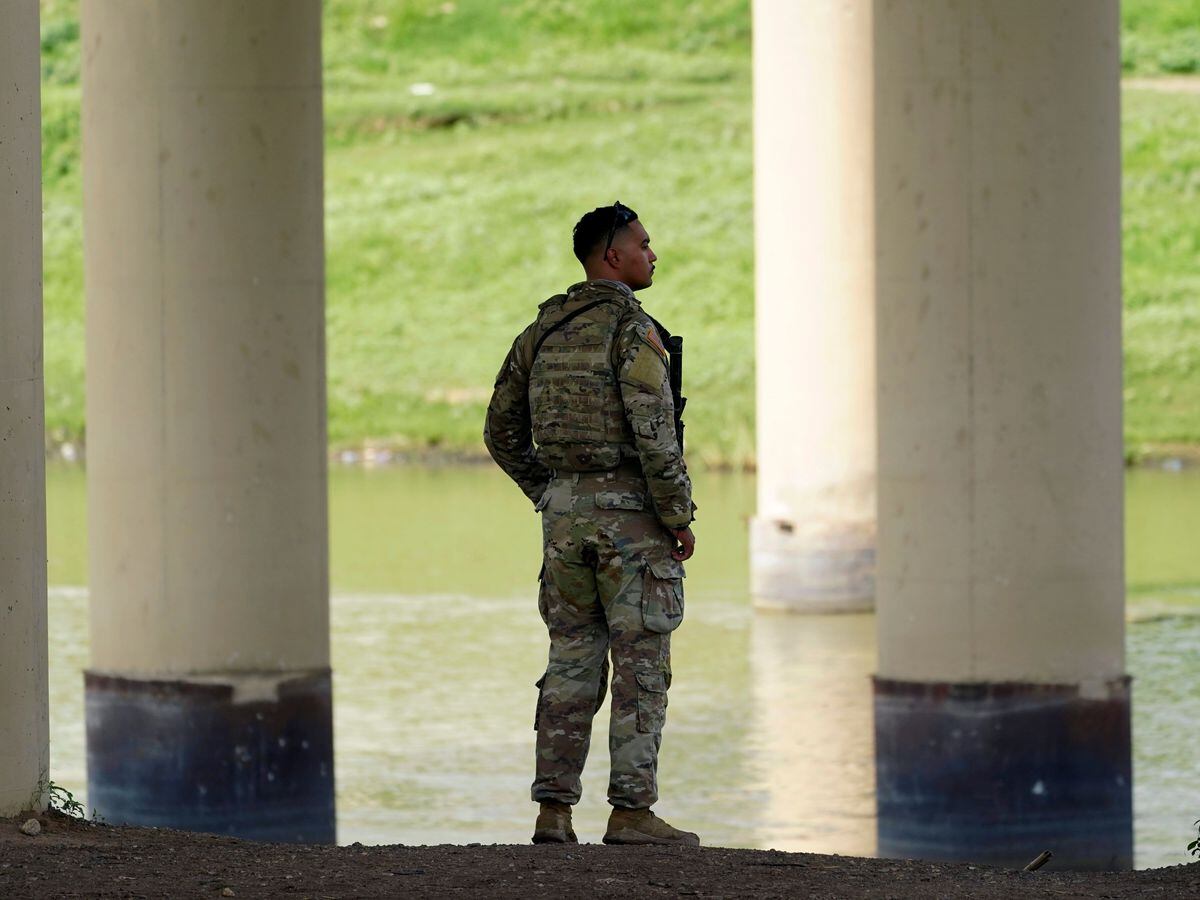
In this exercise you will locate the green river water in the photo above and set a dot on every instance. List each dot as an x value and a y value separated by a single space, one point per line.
437 643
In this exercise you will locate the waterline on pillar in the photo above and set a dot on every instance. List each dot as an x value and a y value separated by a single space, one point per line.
799 569
996 773
244 754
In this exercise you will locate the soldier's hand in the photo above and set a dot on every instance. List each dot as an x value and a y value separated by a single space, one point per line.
687 543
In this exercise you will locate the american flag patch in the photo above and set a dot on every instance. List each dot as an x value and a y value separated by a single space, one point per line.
655 341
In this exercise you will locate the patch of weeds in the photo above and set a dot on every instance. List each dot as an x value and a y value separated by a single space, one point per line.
63 801
1182 55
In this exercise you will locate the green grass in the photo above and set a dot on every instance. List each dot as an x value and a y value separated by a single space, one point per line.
1161 138
441 247
62 255
1160 37
464 139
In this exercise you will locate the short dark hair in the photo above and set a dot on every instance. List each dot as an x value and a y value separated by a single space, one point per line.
598 225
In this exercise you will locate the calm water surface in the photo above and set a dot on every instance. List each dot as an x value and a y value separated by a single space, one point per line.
437 643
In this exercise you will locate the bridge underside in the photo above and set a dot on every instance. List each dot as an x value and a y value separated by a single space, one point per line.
939 370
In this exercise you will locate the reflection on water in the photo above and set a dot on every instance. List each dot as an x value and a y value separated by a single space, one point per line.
812 731
437 643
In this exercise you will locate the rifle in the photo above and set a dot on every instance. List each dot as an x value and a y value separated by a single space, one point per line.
674 345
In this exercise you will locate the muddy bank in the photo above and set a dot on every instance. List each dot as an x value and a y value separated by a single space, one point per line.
70 858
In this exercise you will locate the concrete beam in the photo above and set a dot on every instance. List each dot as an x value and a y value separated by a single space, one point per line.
1000 586
813 539
24 700
204 266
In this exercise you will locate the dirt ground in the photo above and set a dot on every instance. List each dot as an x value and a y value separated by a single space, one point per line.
71 858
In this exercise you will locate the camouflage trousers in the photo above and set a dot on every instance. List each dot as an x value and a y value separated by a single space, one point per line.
608 583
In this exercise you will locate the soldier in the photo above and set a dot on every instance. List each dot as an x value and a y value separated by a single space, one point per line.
585 421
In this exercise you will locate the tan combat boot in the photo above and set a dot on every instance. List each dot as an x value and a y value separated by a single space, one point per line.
553 824
641 826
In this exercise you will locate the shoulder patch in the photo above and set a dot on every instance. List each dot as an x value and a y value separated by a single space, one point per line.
648 370
655 341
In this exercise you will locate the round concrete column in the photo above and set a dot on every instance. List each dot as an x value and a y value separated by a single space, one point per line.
813 539
24 702
208 700
1002 705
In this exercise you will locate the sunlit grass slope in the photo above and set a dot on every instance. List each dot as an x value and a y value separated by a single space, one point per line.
1160 37
1161 137
464 139
462 152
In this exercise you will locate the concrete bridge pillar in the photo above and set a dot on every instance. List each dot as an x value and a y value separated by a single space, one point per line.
208 700
24 702
1002 708
813 539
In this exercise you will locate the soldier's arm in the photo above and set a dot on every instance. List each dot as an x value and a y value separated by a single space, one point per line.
646 394
507 431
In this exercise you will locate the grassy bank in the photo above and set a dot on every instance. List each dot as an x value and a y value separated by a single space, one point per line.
464 139
1160 37
1161 237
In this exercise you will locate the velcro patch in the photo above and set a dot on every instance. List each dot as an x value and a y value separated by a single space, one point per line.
648 369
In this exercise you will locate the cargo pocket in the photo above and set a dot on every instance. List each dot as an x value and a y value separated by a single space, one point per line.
651 702
630 500
662 596
540 684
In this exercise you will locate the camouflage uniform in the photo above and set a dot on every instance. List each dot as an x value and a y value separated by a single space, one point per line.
587 431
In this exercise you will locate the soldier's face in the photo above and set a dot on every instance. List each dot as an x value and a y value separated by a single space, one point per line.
633 257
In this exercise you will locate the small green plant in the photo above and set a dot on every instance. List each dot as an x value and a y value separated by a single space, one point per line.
63 801
1194 846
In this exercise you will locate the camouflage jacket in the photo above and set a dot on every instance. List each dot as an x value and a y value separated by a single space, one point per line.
639 365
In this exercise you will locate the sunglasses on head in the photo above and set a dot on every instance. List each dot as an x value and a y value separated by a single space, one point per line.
622 216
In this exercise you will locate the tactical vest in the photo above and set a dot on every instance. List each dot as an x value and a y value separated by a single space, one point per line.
575 403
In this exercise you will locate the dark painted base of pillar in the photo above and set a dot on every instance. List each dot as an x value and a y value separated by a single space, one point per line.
997 773
244 755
